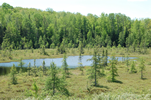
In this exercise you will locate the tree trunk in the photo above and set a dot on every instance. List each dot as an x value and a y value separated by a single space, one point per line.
29 70
54 85
95 75
106 57
112 73
141 74
43 69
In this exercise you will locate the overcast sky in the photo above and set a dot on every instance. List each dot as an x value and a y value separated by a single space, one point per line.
132 8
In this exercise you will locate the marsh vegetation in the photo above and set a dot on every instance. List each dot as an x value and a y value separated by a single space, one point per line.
33 34
127 83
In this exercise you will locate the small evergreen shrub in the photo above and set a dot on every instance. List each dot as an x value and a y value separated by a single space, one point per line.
13 72
132 68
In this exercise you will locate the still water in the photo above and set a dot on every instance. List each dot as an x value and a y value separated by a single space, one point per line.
72 61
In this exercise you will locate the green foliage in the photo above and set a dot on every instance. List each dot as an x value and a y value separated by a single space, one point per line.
35 89
149 63
65 67
6 8
9 54
44 69
113 69
119 46
127 62
34 68
52 46
94 72
123 58
80 63
70 44
57 51
32 50
29 69
21 63
12 74
142 67
54 83
106 57
23 28
81 47
43 50
62 49
133 69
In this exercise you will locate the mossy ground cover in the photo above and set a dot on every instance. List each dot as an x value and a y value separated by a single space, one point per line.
77 83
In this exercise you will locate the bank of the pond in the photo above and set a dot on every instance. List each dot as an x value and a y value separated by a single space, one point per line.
16 55
6 70
72 61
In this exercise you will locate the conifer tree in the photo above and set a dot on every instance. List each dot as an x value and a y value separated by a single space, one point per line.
10 55
94 72
29 68
113 70
21 63
81 47
12 74
35 89
127 62
106 56
54 83
103 58
80 62
132 69
43 50
142 67
65 67
34 69
43 66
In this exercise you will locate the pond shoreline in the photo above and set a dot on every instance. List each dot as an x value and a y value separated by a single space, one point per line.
27 54
72 61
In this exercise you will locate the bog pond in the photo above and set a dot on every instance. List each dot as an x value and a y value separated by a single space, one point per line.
72 62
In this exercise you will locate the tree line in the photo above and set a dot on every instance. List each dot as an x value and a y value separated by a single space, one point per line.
25 28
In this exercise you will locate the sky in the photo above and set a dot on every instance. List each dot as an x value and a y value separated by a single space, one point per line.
135 9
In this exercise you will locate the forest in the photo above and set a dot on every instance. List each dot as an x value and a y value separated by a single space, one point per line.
24 28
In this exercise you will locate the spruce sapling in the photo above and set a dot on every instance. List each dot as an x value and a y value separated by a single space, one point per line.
133 69
65 67
12 74
142 67
43 66
94 72
113 70
54 83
